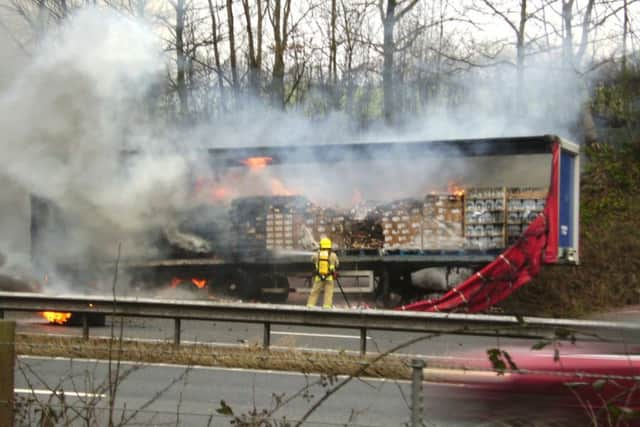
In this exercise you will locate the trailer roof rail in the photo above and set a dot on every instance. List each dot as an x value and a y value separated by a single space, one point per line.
276 154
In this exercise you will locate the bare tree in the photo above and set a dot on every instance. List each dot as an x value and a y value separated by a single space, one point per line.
356 54
279 15
254 39
180 8
391 14
280 18
571 60
232 48
333 45
215 38
625 35
518 26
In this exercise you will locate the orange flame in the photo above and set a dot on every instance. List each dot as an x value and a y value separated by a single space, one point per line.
200 283
56 317
257 163
175 281
220 193
278 188
455 189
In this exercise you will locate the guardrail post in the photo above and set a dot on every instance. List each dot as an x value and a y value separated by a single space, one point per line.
363 341
266 340
417 365
176 331
85 326
7 367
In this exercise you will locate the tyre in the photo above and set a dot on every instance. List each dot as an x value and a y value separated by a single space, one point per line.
275 289
245 285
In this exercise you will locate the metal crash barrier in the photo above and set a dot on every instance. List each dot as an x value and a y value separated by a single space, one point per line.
358 319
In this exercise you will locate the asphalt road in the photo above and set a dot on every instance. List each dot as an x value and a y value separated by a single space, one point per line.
190 396
196 395
159 395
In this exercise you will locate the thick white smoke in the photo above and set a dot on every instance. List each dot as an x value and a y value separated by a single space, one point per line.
67 114
65 119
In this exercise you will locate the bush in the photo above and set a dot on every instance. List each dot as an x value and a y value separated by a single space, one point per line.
609 272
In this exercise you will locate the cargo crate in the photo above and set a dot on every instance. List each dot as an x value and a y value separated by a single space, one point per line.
523 205
484 218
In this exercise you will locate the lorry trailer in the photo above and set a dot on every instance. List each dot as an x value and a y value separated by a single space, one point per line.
398 213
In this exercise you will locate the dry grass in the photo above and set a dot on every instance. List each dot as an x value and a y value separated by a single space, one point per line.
250 357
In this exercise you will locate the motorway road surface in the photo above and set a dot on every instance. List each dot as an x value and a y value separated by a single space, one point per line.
182 396
479 398
197 393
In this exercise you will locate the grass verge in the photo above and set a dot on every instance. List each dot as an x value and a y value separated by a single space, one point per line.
250 357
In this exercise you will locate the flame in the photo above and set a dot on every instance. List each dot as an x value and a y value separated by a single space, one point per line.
200 283
220 193
56 317
257 163
209 190
175 281
278 188
455 189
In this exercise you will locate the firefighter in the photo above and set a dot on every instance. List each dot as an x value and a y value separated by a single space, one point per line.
326 262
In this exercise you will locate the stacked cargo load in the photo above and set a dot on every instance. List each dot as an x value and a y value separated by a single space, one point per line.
523 205
249 223
442 215
484 219
481 218
327 222
365 230
284 219
401 224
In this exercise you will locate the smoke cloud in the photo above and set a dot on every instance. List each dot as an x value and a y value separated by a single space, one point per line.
67 116
69 113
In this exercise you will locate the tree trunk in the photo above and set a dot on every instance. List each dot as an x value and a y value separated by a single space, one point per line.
232 48
216 51
279 18
255 49
388 47
333 48
567 41
520 105
181 84
625 35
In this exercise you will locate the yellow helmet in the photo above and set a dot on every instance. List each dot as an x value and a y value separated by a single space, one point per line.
325 243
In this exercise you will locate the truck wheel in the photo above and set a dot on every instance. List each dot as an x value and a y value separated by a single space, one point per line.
276 289
245 285
384 289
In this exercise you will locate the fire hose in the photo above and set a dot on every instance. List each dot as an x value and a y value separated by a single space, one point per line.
335 276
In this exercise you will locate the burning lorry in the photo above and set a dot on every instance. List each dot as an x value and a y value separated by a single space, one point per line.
409 220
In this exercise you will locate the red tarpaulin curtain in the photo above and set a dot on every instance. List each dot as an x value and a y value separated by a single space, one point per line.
515 267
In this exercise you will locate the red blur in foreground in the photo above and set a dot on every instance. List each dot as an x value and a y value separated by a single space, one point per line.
567 384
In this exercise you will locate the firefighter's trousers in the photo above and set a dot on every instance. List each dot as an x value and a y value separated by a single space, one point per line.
318 286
